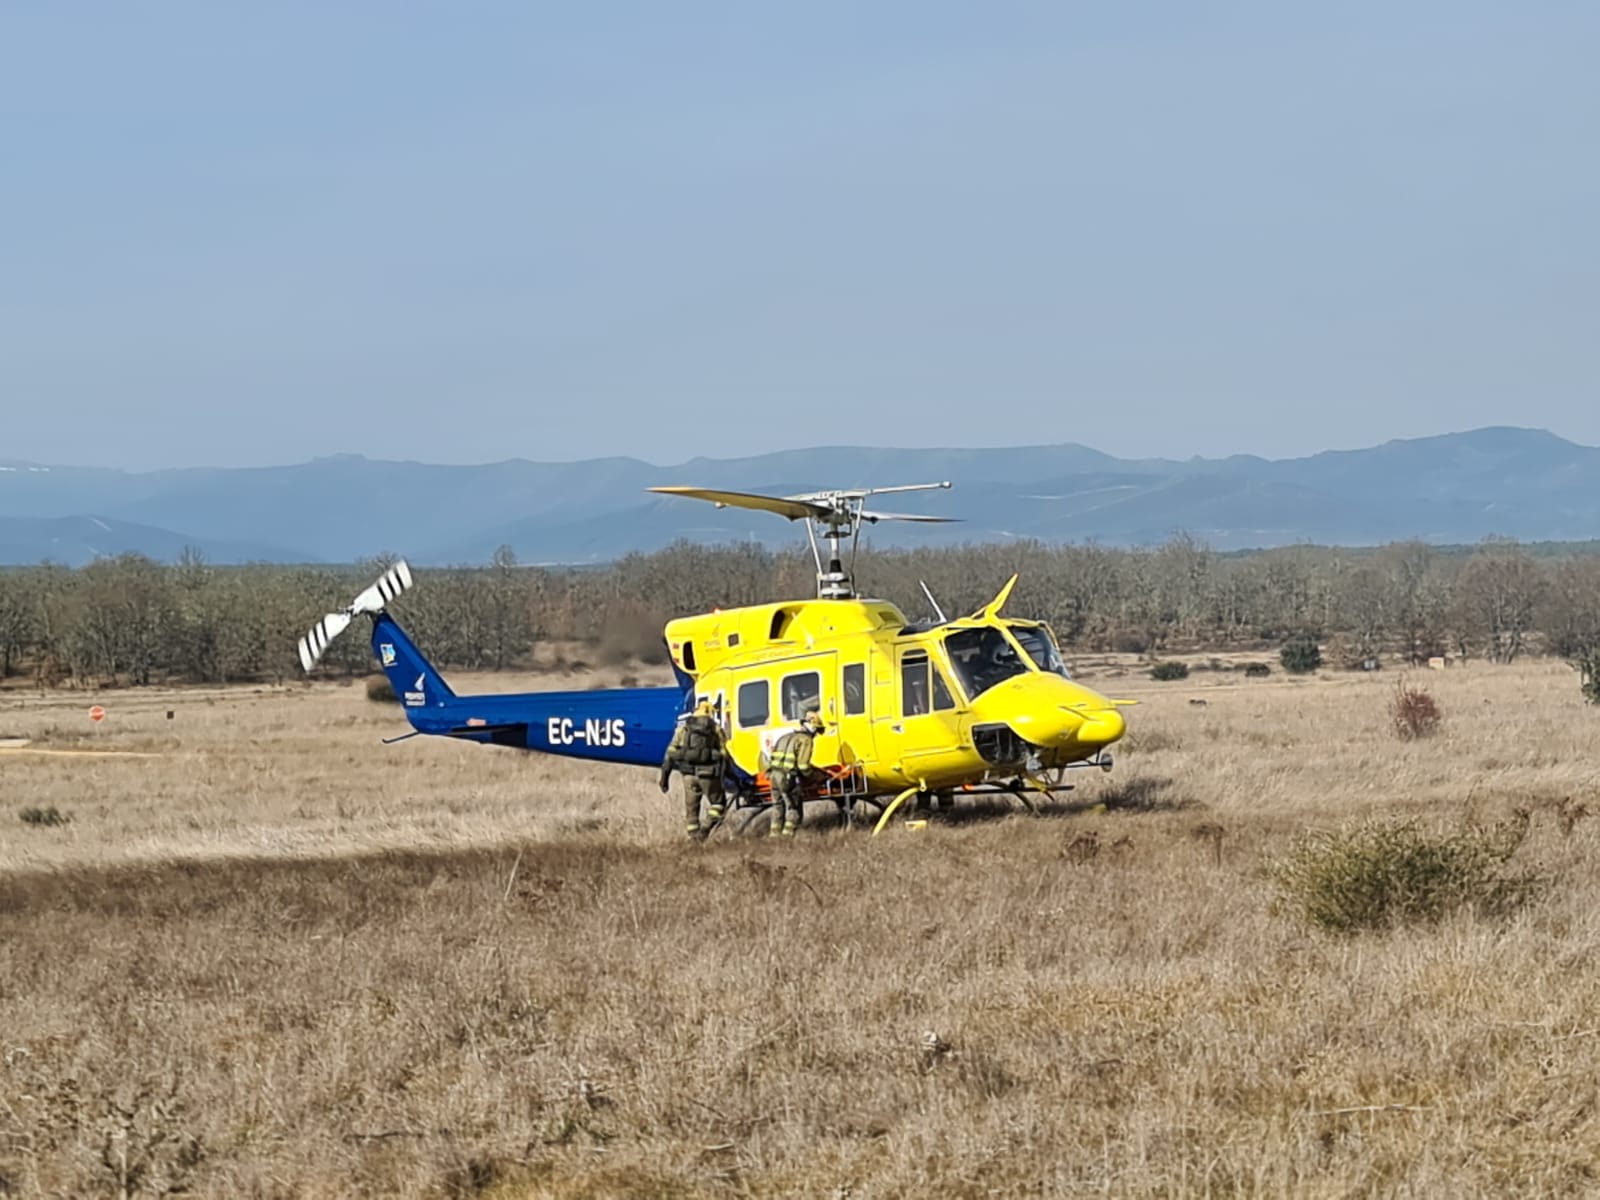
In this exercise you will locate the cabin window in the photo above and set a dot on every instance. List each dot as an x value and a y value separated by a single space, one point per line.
914 700
688 656
855 689
754 703
942 699
800 693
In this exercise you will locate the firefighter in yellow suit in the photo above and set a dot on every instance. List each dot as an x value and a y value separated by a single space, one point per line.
788 767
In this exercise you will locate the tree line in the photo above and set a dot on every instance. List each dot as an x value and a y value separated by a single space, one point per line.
131 620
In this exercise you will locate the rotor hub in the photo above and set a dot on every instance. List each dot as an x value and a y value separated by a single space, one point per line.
834 515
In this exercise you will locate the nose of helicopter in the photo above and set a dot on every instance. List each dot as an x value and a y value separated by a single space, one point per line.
1101 727
1048 710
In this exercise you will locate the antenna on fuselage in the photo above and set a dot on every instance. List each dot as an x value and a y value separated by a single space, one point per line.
937 611
831 516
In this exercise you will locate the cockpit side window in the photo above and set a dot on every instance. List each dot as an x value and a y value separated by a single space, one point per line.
943 701
982 658
1041 647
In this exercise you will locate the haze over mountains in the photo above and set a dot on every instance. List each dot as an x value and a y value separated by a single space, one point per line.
1455 488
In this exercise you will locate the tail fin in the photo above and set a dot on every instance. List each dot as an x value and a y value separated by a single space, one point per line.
411 675
390 584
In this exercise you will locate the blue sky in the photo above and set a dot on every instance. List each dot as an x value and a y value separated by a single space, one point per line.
239 234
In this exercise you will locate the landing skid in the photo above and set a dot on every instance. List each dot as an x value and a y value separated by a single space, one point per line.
745 807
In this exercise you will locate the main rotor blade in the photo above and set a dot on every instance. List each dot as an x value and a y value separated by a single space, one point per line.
908 487
795 510
878 516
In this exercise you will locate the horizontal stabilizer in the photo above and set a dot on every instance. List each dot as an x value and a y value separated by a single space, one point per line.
509 733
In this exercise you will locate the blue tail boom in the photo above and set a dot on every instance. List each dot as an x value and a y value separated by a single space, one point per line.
621 725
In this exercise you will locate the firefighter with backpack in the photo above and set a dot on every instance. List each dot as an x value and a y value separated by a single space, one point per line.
698 753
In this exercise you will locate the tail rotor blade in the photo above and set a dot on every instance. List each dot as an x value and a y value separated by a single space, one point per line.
314 644
373 599
390 585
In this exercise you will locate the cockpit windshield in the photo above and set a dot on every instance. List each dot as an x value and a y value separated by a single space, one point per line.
1041 647
982 658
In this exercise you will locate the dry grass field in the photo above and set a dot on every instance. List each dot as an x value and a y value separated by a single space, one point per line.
269 956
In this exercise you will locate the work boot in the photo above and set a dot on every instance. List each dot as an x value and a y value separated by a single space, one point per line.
774 829
788 828
694 832
714 813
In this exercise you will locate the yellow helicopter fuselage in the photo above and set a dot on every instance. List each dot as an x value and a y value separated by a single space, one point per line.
932 707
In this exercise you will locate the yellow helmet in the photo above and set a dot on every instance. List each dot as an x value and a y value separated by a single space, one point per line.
813 718
705 709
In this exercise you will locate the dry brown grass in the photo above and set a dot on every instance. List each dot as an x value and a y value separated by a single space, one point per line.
1413 711
281 959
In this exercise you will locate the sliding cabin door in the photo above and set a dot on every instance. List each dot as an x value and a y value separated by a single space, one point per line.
922 735
851 715
770 699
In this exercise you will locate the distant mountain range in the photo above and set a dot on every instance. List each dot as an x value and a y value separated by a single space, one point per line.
1455 488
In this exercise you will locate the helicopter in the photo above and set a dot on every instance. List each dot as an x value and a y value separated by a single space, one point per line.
927 711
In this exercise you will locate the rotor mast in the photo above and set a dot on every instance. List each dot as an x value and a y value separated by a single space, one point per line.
835 583
840 515
830 516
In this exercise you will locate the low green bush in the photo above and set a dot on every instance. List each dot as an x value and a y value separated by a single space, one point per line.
1168 671
1379 875
1300 654
1586 660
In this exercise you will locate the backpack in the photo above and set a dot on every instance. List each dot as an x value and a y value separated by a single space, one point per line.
700 744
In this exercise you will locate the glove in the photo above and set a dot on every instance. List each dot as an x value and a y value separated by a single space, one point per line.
665 786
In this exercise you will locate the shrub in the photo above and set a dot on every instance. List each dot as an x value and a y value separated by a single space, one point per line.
380 689
1586 659
1167 671
1300 655
1413 712
1380 875
1256 670
1129 641
44 816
